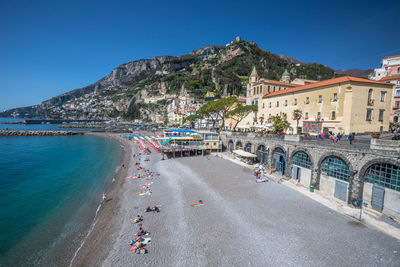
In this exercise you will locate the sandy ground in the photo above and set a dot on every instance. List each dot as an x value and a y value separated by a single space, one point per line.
241 224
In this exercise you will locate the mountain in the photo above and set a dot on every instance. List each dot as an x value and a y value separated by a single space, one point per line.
355 72
211 69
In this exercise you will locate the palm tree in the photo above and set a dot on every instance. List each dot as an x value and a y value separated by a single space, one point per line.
261 119
297 115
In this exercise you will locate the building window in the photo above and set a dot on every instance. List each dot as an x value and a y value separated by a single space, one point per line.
257 90
256 103
397 104
397 94
333 117
279 88
295 101
318 116
370 99
383 96
269 89
307 100
277 103
381 113
274 88
334 97
270 104
285 103
335 167
263 105
261 89
302 159
384 174
320 99
369 114
254 91
306 116
398 81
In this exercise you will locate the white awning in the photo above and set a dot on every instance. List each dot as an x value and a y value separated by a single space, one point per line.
244 153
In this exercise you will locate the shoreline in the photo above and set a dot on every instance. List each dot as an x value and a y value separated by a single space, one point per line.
105 221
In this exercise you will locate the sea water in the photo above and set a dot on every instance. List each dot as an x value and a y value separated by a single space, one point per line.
50 188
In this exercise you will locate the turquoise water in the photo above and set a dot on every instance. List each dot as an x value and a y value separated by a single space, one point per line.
50 188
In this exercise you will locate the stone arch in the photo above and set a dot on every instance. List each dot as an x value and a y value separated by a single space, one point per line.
262 152
231 147
375 161
238 145
370 163
350 198
248 147
302 150
274 148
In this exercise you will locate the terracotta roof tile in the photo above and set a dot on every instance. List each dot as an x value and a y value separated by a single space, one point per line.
324 83
278 83
392 56
389 78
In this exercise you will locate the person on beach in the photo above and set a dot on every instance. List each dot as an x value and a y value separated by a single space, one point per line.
197 204
141 232
155 209
138 219
104 196
147 209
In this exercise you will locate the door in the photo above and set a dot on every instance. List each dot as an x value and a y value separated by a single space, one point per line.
295 172
340 190
378 194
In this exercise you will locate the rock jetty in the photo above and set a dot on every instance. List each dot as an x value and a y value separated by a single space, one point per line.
38 133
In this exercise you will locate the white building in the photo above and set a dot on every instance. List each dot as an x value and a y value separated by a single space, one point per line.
390 66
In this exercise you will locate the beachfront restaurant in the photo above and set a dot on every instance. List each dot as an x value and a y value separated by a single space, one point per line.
211 140
181 143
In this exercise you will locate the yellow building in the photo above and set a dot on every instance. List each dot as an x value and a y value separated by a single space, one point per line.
258 87
346 104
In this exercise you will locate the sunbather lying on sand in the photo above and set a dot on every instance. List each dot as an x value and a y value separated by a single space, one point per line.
200 203
138 219
141 232
153 209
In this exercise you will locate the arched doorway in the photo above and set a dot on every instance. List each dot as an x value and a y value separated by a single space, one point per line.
230 146
262 154
239 145
301 167
378 178
279 160
335 177
247 148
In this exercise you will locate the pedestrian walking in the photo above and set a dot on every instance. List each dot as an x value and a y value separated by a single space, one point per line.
351 138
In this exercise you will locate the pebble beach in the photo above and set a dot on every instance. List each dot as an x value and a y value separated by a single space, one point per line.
242 223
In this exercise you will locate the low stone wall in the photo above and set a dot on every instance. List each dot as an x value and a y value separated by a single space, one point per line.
385 145
38 133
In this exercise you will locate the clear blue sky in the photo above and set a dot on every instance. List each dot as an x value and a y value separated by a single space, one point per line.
50 47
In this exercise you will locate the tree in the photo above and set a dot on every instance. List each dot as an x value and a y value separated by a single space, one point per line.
240 112
279 124
261 119
192 118
297 115
132 113
217 109
223 106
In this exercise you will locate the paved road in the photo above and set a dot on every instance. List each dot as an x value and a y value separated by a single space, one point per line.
241 224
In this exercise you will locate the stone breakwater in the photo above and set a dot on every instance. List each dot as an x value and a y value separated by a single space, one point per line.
38 133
